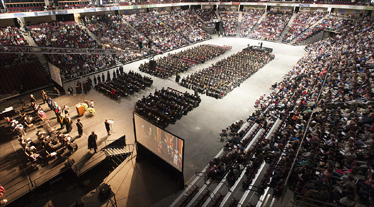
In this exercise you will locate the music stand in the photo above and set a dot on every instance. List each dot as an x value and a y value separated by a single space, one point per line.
111 121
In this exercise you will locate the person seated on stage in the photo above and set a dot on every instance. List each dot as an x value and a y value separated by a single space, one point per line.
35 157
28 119
51 147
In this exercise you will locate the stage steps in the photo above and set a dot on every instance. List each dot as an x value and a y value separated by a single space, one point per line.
116 155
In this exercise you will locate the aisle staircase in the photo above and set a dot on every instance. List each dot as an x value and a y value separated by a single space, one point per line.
91 34
124 21
42 58
312 26
116 156
287 27
238 30
254 28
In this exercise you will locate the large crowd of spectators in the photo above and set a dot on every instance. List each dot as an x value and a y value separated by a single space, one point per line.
302 22
162 37
227 74
230 22
186 23
19 72
114 33
328 24
272 26
325 103
207 15
166 106
250 18
180 62
70 35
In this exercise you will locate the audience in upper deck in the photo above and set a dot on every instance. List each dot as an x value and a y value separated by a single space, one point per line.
162 37
302 22
272 25
250 17
114 33
70 35
229 22
207 15
186 23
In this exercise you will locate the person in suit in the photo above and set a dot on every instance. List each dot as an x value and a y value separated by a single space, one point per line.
92 141
79 127
103 77
107 126
95 80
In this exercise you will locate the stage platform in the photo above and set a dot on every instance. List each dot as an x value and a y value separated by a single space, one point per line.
17 174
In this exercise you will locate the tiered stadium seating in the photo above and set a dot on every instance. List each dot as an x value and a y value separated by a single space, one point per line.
186 23
272 26
69 34
230 22
301 23
250 18
19 71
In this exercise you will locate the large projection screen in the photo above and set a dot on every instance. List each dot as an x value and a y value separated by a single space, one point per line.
55 74
162 143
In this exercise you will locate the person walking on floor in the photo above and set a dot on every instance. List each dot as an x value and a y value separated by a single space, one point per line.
79 127
107 126
92 141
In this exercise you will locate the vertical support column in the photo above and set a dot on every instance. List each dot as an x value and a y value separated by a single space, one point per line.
46 2
53 17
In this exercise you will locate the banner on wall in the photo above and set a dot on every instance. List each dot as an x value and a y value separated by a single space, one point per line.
341 11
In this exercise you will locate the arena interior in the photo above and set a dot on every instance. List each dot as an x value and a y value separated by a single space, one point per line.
249 103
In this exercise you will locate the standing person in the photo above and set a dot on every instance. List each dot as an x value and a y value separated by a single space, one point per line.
107 126
32 98
121 70
177 78
117 71
44 96
60 119
68 123
95 81
114 74
98 79
103 77
50 102
92 141
79 127
71 90
108 76
84 87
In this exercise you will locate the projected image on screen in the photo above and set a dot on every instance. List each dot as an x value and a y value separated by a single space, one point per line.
55 74
160 142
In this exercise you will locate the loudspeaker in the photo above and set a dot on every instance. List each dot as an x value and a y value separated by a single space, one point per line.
104 190
79 202
152 65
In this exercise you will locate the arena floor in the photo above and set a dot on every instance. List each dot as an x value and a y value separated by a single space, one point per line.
141 184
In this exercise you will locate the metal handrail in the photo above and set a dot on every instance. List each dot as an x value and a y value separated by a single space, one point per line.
304 200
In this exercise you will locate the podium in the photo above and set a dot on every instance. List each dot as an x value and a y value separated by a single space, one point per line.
78 89
80 109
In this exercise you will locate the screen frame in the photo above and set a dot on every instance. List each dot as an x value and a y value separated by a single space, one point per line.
136 141
50 67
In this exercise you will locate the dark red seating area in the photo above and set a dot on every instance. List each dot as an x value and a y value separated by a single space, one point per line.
25 7
19 69
28 74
